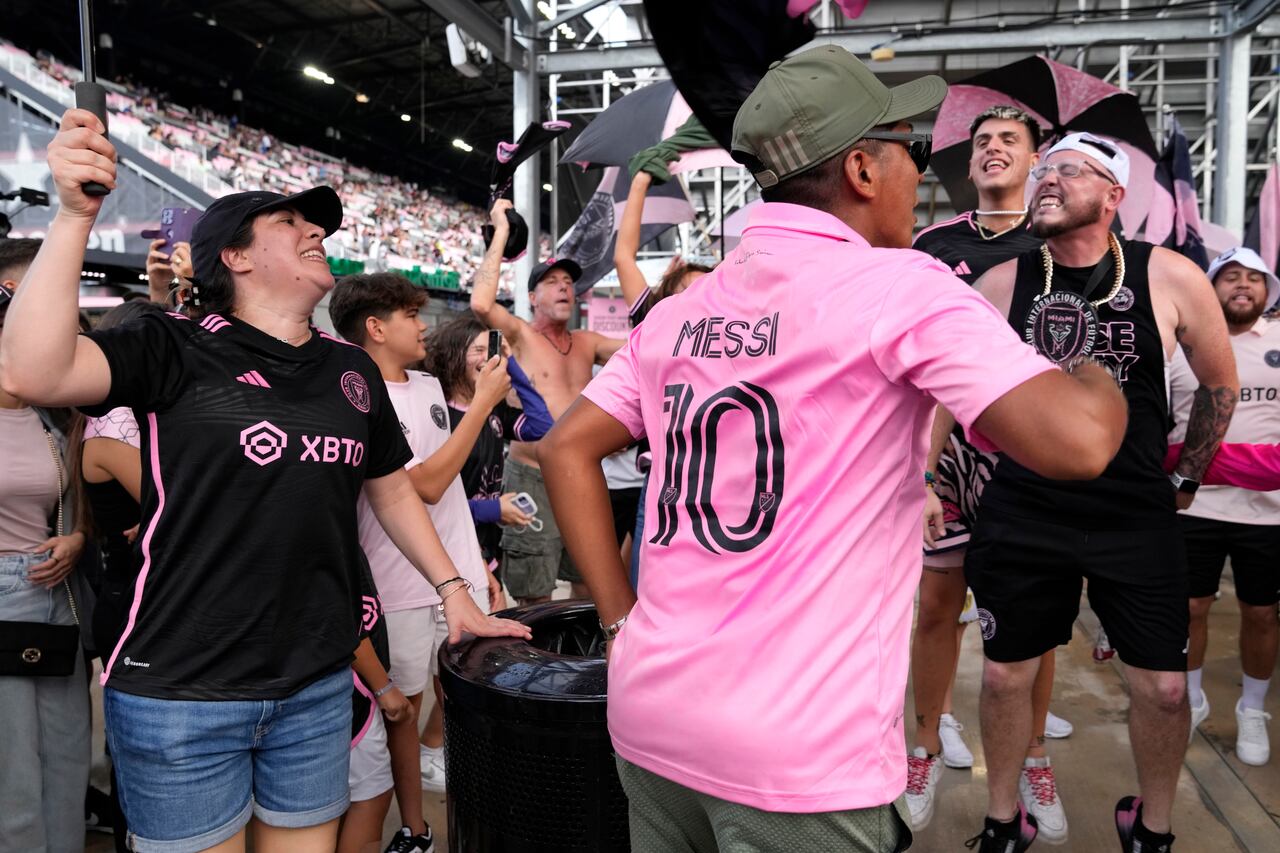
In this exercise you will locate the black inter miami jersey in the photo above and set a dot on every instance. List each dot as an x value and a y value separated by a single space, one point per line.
253 456
958 243
1133 492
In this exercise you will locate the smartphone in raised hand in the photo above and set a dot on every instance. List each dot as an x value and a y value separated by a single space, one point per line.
495 343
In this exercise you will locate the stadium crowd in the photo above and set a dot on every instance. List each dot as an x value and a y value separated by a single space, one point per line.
394 220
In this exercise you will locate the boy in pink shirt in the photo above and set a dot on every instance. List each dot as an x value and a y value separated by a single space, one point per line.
756 690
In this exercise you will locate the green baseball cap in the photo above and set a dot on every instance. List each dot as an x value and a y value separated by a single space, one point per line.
811 106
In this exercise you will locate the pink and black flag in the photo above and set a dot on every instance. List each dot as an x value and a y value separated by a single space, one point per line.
590 243
1263 233
1173 216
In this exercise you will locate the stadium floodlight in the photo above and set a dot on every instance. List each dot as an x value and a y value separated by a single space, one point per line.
316 74
545 8
405 117
461 145
547 187
362 98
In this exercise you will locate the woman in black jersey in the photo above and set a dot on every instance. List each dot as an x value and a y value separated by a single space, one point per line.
227 696
108 470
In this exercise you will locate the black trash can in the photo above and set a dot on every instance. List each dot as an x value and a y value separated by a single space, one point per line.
527 751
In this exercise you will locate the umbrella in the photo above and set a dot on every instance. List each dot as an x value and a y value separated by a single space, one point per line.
591 241
1173 217
1264 228
691 136
90 95
717 50
1063 100
509 156
634 122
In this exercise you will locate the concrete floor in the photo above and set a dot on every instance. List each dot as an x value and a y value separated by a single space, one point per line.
1223 805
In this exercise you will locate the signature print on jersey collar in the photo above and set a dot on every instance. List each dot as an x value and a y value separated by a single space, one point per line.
356 389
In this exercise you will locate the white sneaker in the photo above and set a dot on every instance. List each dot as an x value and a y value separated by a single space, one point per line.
1056 727
1039 792
954 752
923 773
432 769
1198 714
1252 744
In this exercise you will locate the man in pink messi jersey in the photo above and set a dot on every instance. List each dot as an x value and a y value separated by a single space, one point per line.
756 690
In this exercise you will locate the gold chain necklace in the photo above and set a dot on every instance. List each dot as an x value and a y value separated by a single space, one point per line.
990 234
1116 253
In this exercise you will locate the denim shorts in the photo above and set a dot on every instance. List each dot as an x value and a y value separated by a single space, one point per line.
191 773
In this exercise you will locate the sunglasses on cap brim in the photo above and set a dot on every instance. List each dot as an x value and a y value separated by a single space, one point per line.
919 145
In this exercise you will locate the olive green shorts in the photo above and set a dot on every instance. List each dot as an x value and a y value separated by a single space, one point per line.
533 558
670 818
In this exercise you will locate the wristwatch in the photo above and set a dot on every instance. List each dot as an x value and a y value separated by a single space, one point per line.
611 631
1185 485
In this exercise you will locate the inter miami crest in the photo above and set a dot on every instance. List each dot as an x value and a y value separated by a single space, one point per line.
438 415
1061 326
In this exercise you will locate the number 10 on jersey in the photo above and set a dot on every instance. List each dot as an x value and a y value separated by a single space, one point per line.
690 466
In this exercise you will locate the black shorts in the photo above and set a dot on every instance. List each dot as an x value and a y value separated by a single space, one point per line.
625 503
1254 550
1026 577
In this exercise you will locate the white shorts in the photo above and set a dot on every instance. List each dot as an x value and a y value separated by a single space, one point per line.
414 638
370 773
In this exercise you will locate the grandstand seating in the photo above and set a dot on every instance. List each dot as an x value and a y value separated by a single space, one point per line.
389 222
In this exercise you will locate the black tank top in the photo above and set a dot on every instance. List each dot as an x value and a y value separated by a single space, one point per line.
1133 492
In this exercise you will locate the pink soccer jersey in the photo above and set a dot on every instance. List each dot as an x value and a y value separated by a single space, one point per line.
788 397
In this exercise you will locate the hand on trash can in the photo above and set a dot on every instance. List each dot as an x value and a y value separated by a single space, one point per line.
462 614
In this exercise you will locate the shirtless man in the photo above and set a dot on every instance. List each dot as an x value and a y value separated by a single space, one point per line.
559 362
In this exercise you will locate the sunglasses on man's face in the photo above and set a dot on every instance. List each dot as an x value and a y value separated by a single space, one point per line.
919 145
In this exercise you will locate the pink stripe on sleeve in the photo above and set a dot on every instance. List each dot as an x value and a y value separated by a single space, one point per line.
1247 466
146 546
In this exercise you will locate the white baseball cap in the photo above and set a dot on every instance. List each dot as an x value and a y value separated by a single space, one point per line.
1249 259
1105 151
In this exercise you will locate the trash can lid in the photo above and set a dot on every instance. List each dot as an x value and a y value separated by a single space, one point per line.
561 672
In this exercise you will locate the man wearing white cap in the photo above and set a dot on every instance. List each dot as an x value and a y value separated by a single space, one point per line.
1227 521
1086 295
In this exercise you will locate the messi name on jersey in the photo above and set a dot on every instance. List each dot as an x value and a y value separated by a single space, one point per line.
722 337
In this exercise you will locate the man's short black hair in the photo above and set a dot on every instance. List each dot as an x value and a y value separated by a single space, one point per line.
16 254
818 187
1007 112
359 297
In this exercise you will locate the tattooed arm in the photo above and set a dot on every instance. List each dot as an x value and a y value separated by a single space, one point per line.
1201 332
484 290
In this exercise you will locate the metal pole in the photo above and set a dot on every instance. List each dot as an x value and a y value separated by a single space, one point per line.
1232 132
526 108
86 42
1124 51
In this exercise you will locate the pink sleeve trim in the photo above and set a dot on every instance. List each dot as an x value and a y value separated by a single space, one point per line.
1247 466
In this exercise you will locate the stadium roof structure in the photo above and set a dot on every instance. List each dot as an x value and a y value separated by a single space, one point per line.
391 53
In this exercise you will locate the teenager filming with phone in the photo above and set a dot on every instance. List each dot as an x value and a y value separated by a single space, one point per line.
259 432
456 355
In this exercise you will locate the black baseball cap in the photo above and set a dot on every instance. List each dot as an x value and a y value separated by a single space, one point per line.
224 217
571 267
